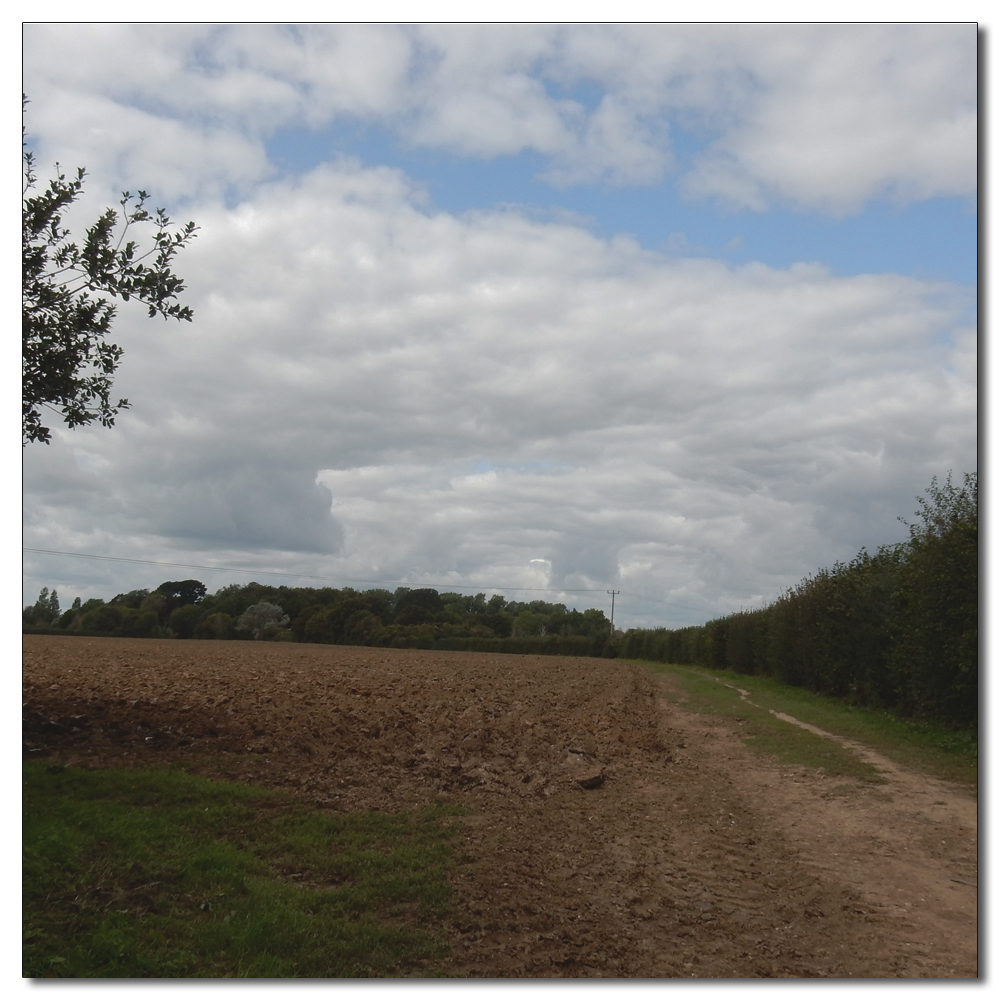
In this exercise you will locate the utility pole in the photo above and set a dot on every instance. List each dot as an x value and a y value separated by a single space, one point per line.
612 593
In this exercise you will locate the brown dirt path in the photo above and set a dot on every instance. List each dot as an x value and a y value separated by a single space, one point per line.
611 834
908 846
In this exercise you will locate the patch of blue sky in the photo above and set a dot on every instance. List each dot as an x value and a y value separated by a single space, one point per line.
934 239
588 93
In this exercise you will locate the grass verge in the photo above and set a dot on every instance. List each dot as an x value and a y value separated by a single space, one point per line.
161 874
924 746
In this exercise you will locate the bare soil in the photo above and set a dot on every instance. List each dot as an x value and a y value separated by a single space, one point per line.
611 834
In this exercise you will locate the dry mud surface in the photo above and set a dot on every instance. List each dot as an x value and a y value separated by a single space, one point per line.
611 835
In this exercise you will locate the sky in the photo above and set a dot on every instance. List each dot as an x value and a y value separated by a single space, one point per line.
684 311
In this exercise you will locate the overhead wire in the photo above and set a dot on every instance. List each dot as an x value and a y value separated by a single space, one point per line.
346 579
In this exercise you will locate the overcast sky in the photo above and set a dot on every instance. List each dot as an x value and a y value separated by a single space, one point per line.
684 311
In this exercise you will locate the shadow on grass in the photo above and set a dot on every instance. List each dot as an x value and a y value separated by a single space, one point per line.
161 874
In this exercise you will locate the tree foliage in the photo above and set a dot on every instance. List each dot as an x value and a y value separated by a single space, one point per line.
897 629
177 594
409 617
67 364
44 611
935 619
258 618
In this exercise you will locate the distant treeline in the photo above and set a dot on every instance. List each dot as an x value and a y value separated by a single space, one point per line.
897 629
409 618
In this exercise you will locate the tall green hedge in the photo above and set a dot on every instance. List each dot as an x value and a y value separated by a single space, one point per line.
896 629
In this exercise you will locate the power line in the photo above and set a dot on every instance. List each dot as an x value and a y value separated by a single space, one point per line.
154 562
306 576
346 579
671 604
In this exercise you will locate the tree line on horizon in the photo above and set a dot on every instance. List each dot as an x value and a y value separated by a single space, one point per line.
406 617
895 629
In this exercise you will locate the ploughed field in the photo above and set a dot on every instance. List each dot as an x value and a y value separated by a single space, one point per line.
610 834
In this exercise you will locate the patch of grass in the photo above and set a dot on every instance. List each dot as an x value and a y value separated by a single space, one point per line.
929 747
760 730
162 874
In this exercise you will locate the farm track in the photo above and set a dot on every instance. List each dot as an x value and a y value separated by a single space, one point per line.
611 834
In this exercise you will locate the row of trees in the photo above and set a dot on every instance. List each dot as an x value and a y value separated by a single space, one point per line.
896 629
406 617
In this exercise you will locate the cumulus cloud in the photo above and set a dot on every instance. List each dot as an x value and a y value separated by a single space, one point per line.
820 117
839 114
374 392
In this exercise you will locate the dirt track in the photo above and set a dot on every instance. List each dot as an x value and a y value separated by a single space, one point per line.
612 835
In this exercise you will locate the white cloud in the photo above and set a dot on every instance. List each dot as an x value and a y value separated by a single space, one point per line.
483 391
839 114
822 117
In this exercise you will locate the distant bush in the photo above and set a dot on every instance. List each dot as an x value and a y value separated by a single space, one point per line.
258 618
105 618
216 626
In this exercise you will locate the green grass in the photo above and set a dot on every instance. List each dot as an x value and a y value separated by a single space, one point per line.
162 874
924 746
